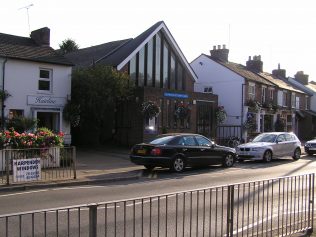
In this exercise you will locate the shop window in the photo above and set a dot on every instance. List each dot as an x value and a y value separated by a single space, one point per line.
45 80
13 113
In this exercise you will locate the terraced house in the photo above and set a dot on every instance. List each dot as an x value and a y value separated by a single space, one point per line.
37 79
162 75
254 101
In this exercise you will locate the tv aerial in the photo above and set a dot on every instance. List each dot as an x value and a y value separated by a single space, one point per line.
27 12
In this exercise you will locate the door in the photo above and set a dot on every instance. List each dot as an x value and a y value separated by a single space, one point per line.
281 146
204 118
209 154
48 120
190 149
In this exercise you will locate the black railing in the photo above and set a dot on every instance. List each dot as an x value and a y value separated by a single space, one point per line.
275 207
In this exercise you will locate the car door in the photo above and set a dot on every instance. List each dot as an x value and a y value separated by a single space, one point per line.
187 145
208 153
280 148
291 144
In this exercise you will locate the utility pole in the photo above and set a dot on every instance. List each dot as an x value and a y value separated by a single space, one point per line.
27 12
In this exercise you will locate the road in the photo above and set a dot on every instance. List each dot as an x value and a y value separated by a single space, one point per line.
160 182
153 183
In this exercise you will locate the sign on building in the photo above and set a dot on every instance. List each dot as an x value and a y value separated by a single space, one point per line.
25 170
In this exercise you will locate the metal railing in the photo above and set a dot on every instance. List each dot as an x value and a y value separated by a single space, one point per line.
275 207
37 164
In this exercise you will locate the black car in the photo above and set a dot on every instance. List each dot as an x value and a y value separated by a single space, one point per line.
310 147
177 151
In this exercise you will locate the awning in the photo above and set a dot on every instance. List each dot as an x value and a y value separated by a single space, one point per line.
311 112
300 113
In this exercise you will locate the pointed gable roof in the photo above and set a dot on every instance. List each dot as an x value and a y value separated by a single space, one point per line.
24 48
119 53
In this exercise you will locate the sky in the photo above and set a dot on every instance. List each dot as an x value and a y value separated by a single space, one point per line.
281 31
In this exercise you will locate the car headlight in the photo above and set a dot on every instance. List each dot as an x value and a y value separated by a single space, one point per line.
257 149
307 144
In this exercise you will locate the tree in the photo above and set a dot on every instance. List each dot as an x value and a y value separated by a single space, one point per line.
95 93
68 45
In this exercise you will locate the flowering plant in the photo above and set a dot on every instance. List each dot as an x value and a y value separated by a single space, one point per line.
181 111
250 123
42 138
254 105
150 109
220 114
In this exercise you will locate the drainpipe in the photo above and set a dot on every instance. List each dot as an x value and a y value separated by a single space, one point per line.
242 111
2 101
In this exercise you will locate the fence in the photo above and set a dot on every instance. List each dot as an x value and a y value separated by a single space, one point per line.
37 164
275 207
226 132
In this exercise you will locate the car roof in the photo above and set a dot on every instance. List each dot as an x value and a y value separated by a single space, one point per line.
178 134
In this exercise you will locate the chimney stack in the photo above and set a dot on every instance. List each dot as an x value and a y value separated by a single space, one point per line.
220 54
301 77
281 73
255 64
41 36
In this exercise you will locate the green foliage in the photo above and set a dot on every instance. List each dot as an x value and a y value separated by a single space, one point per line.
68 45
71 113
150 109
220 115
21 124
95 92
250 123
4 95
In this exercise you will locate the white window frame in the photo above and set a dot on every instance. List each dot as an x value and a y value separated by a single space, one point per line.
297 102
50 80
252 91
263 94
284 98
293 100
306 102
271 94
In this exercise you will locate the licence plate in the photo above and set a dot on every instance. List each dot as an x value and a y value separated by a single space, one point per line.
141 152
312 148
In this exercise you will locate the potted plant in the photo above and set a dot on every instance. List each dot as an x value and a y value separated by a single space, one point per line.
254 105
150 110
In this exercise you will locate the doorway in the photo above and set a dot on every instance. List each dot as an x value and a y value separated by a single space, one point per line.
49 120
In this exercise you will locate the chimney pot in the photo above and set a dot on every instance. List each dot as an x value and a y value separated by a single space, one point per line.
218 47
41 36
249 58
214 47
224 46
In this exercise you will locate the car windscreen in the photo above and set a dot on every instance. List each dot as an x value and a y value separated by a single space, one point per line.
265 138
162 140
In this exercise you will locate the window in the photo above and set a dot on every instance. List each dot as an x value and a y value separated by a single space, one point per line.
306 102
263 94
172 72
271 92
150 48
13 113
165 64
132 70
45 80
187 141
284 99
141 67
297 105
251 91
158 61
293 100
208 89
202 141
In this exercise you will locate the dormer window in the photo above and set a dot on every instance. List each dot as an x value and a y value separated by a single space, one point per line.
45 80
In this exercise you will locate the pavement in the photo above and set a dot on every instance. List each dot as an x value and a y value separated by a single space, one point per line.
98 165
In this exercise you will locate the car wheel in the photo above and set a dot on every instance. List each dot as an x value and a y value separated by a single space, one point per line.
228 160
149 167
267 156
297 154
178 164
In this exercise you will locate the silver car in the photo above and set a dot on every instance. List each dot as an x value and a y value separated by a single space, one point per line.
266 146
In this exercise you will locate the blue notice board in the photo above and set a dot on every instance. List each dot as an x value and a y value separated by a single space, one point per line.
175 95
